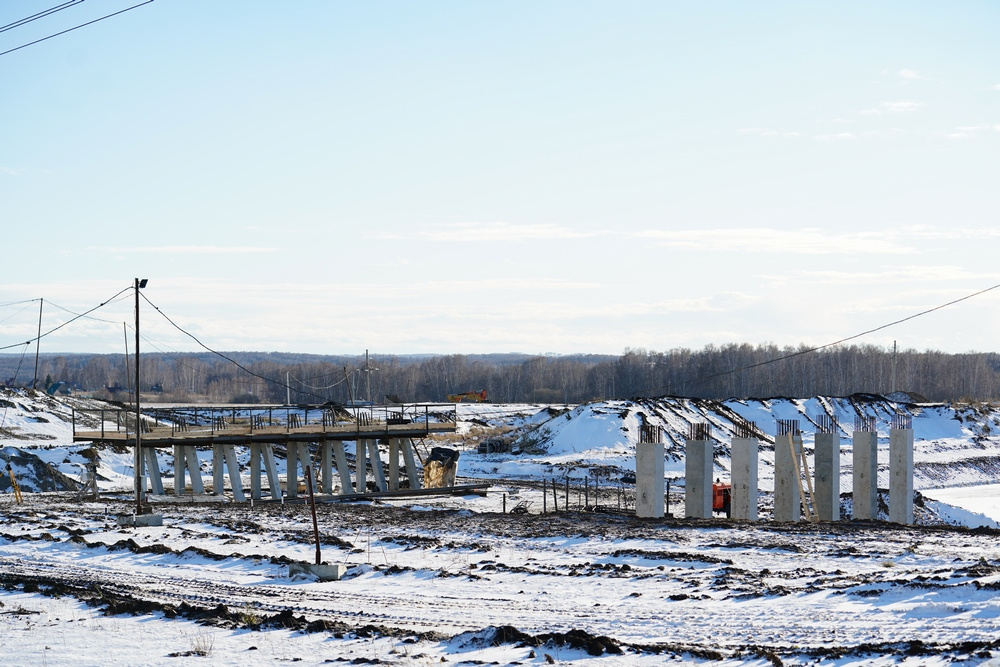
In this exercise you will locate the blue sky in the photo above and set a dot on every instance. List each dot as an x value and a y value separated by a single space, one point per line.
553 177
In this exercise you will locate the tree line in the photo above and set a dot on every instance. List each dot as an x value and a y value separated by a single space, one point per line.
717 372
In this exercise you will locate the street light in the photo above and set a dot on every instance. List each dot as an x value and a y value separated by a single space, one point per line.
139 284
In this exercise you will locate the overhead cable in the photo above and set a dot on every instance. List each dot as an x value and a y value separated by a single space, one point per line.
42 14
17 48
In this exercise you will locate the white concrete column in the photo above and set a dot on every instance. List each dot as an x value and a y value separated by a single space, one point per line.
346 486
699 462
292 470
827 463
787 473
393 464
361 466
153 470
218 470
743 501
376 463
649 480
901 471
194 470
233 466
865 462
326 466
411 465
255 470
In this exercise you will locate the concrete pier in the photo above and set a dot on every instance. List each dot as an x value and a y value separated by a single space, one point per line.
151 469
698 467
263 452
223 459
745 448
649 474
901 470
186 461
787 475
865 462
827 468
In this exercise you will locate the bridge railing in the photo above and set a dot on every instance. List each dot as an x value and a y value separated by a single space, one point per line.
212 420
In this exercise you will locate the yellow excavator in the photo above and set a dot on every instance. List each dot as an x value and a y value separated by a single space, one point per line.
469 397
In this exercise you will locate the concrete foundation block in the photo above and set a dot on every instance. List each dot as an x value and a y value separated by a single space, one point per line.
323 572
743 478
139 520
901 476
649 480
865 476
698 468
827 474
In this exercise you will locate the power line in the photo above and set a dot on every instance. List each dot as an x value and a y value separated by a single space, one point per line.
69 321
220 354
17 48
836 342
42 14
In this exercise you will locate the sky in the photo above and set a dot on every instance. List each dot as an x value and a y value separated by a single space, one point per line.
454 177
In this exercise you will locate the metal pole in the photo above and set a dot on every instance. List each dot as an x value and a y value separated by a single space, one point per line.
312 507
38 342
138 426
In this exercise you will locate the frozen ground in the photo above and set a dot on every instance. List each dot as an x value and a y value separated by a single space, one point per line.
455 580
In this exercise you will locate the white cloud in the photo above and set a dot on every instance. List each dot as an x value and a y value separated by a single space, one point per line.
501 231
838 136
901 106
967 131
764 240
996 87
763 132
182 249
910 74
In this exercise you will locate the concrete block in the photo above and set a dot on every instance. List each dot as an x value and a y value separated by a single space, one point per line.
649 480
323 572
744 479
865 482
139 520
901 476
827 474
698 468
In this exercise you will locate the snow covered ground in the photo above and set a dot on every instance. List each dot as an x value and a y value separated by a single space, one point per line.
454 580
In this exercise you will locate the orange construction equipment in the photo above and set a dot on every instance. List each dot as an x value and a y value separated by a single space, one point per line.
469 396
722 497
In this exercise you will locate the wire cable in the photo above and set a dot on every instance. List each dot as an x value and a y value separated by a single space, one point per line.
18 48
836 342
42 14
220 354
69 321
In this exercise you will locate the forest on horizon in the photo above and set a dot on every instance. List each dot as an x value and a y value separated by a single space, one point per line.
715 372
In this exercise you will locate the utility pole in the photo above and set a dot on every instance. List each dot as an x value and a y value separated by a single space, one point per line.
139 284
893 367
288 388
38 342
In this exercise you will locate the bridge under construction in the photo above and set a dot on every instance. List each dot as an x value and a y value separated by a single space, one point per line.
261 428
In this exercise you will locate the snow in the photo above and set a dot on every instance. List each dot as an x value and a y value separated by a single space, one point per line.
435 580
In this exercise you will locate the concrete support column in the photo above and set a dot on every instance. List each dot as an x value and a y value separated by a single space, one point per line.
411 466
233 466
292 470
743 499
376 463
787 473
901 470
326 467
361 466
827 469
393 464
263 452
865 461
186 461
698 467
649 480
218 470
340 457
153 470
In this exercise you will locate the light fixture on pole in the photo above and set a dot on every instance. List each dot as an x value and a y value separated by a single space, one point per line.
139 284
